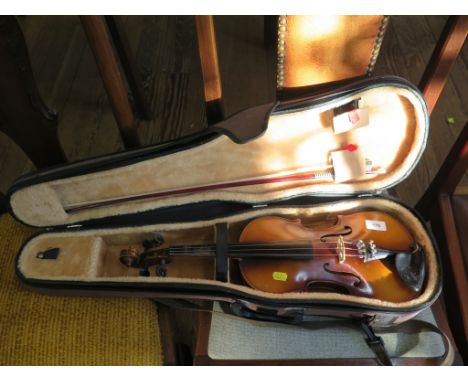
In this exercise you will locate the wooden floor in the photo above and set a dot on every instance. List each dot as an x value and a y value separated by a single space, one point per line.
166 52
407 47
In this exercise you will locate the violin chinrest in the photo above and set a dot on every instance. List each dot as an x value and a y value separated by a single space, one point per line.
411 267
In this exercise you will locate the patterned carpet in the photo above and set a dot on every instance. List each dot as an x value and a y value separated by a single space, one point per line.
42 330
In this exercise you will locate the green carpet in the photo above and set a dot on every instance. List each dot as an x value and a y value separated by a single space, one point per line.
43 330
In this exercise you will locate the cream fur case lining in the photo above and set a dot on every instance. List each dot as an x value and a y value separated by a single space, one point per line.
391 142
92 256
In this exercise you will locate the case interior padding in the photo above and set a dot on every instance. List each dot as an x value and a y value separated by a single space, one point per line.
91 256
394 139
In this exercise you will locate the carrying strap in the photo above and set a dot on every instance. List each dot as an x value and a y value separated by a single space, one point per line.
376 344
417 327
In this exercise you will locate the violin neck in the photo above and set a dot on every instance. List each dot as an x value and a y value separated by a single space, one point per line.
296 250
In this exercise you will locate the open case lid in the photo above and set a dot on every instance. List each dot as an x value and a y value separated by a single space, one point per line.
384 119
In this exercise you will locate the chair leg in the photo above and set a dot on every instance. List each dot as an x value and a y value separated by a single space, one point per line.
210 68
449 175
100 42
445 53
270 31
23 115
127 60
3 203
455 281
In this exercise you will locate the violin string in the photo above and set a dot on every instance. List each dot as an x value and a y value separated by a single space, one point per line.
173 250
262 245
259 248
236 249
295 241
347 253
253 243
326 254
280 244
268 246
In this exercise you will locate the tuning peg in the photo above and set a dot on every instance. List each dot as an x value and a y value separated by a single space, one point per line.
156 241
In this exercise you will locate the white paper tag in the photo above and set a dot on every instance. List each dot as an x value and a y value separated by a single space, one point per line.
347 165
376 225
350 120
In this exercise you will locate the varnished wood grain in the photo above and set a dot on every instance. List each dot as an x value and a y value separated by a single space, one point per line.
24 117
455 285
445 54
167 57
128 64
208 57
248 70
449 174
100 41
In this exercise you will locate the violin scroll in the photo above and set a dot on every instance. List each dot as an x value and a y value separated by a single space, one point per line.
151 256
130 257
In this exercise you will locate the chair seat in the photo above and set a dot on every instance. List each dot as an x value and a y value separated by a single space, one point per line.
43 330
232 338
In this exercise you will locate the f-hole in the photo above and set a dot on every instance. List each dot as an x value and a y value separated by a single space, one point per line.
326 286
357 280
348 231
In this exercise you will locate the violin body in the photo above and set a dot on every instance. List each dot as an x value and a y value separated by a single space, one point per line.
369 254
375 279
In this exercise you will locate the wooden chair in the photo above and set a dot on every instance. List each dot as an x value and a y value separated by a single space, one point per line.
26 119
225 340
447 211
448 214
443 57
316 51
30 123
364 31
210 68
112 52
211 73
24 116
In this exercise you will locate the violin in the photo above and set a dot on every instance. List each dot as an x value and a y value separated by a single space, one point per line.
369 254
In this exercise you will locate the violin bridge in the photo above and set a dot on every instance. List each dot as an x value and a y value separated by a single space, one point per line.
340 248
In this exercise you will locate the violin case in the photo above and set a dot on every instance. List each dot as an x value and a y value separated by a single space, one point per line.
261 140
